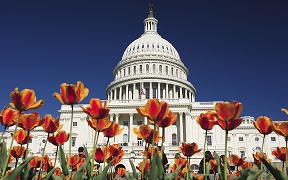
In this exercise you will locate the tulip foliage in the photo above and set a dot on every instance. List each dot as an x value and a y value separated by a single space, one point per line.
225 115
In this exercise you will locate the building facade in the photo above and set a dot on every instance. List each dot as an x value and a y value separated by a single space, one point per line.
152 68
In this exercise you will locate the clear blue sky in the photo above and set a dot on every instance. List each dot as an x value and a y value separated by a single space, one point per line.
234 50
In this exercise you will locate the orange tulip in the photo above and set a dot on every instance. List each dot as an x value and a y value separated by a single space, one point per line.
189 149
280 153
113 130
236 160
257 156
207 120
60 138
115 150
8 117
146 168
168 120
180 161
74 160
96 110
51 125
284 110
21 136
246 164
99 155
146 133
58 171
35 162
148 151
227 114
154 110
71 94
30 121
281 128
213 165
24 100
99 125
121 172
17 151
81 162
263 124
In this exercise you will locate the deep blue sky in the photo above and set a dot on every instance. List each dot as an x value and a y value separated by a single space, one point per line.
234 50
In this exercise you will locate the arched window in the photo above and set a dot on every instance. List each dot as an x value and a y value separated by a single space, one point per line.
166 69
172 71
128 70
125 139
147 93
134 70
174 139
140 68
147 68
154 92
160 69
154 68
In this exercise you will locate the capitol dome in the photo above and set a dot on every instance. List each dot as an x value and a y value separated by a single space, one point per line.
150 68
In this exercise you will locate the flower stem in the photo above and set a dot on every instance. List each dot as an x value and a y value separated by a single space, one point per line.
225 153
56 153
154 130
94 149
70 137
261 164
105 153
204 155
286 139
9 150
42 157
3 133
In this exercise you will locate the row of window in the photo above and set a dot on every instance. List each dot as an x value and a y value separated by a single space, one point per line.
161 70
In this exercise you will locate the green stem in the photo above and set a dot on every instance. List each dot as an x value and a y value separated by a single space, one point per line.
11 144
56 155
105 153
96 136
286 139
204 155
3 133
188 168
225 153
42 157
70 137
153 137
162 143
261 165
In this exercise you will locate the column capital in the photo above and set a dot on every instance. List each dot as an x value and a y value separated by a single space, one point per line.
117 114
131 114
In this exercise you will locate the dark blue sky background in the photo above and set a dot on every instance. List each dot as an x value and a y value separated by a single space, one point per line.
234 50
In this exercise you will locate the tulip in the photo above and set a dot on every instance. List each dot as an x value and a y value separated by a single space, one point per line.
51 125
96 110
263 124
113 130
189 149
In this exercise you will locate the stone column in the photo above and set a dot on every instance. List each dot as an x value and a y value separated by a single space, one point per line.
174 91
127 95
186 96
120 93
181 127
134 91
158 92
180 89
167 91
115 94
117 121
131 130
150 90
145 120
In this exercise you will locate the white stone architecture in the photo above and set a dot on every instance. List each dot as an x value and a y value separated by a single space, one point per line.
152 68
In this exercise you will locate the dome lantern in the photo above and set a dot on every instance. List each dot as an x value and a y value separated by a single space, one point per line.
150 23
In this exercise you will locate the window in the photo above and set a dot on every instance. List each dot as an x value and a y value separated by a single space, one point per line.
273 138
174 139
154 92
124 72
74 123
166 69
105 139
43 140
177 72
140 69
241 139
172 71
242 154
209 140
125 123
154 68
73 141
160 69
256 138
147 93
229 138
258 149
125 139
128 70
139 123
134 71
139 142
147 68
161 93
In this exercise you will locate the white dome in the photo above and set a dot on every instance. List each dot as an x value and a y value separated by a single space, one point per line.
151 43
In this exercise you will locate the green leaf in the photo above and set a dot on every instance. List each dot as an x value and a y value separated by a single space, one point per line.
103 174
153 171
55 177
175 173
47 177
80 172
17 170
161 172
28 174
128 177
89 166
135 174
274 171
3 155
221 170
63 163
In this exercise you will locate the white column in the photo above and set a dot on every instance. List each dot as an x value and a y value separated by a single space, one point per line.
174 91
145 120
186 93
142 89
181 127
150 90
134 91
190 96
166 91
117 121
127 95
158 92
180 89
131 129
115 93
120 93
189 127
